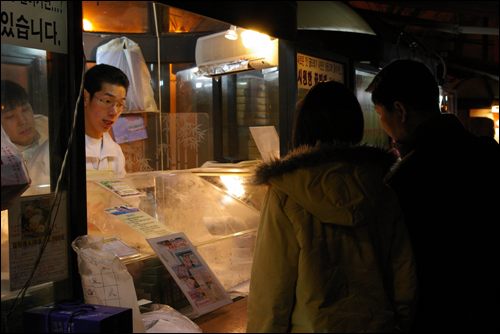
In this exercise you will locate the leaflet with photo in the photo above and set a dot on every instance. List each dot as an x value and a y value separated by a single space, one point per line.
120 188
29 223
138 220
198 283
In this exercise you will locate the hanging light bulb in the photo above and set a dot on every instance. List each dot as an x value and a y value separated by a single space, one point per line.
87 25
231 33
253 39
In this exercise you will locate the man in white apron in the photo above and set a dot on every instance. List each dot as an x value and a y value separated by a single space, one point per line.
104 100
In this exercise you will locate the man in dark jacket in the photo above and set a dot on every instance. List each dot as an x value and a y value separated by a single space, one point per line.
447 184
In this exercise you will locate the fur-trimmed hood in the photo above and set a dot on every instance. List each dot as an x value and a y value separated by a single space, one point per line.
306 156
337 184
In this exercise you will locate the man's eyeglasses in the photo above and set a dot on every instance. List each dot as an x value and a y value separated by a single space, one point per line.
108 103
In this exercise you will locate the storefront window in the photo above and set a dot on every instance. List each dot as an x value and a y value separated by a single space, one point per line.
249 99
25 110
199 118
35 113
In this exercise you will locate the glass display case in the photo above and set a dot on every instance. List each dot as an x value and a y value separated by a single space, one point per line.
216 207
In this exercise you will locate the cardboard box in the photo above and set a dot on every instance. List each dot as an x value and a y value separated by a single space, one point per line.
78 318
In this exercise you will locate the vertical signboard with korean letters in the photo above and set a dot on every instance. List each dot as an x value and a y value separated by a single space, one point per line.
35 24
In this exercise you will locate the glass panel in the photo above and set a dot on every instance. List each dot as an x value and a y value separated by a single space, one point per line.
178 20
220 223
373 133
31 96
25 110
35 112
188 126
116 16
248 99
253 102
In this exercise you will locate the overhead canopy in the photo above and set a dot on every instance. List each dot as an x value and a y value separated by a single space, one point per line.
274 18
330 16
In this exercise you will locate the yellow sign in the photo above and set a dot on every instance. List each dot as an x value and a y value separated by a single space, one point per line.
311 70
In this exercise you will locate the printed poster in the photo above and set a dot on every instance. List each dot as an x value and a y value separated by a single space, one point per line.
311 70
28 225
129 128
191 273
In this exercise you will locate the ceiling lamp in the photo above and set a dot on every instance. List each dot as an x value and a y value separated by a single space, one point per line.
87 25
231 33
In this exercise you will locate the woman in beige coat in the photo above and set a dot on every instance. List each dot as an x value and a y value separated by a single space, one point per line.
332 252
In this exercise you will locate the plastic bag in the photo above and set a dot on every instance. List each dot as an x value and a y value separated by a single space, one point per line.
165 319
15 177
14 171
105 280
126 54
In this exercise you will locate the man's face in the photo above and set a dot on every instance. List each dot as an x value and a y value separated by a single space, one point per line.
103 109
391 122
19 124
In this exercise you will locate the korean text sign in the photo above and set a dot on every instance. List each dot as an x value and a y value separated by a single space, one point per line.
35 24
311 70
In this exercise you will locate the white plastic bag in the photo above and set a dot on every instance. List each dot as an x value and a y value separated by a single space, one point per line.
14 171
165 319
105 280
15 177
126 54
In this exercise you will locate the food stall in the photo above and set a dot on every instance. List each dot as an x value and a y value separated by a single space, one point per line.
216 209
197 108
189 155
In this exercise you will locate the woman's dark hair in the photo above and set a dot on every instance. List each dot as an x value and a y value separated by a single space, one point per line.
13 95
103 73
329 113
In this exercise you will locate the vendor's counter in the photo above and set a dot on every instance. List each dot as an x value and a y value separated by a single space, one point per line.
216 208
231 318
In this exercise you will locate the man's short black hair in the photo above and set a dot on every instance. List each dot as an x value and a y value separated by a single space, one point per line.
103 73
409 82
13 95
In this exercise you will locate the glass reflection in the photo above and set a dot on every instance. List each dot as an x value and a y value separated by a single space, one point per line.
24 110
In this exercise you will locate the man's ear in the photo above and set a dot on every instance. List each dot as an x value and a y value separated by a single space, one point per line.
400 109
86 98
